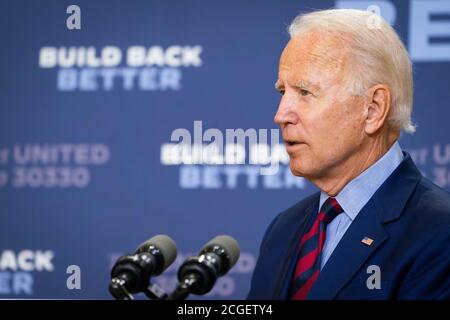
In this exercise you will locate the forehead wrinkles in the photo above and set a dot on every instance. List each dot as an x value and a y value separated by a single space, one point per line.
315 55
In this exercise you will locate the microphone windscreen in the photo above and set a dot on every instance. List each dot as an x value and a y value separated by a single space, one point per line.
166 246
229 244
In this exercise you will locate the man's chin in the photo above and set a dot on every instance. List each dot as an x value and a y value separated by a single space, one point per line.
304 169
297 169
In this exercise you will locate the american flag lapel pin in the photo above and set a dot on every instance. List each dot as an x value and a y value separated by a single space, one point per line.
367 241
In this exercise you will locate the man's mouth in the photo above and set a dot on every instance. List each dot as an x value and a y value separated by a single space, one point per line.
292 146
290 143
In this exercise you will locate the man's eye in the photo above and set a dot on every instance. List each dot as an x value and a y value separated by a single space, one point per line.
281 92
304 92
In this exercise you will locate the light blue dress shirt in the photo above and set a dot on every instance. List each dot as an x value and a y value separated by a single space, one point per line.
356 194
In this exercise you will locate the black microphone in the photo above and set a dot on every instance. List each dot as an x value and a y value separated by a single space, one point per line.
131 273
198 274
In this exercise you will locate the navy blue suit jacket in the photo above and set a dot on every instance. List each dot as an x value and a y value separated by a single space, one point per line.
409 220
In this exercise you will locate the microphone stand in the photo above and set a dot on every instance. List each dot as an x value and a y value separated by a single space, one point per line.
154 292
184 288
119 292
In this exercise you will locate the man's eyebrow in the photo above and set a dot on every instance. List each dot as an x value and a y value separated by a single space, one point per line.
299 84
307 84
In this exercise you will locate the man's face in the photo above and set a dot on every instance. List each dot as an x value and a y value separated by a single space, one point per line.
322 125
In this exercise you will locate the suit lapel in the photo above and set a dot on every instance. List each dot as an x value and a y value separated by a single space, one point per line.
386 205
350 254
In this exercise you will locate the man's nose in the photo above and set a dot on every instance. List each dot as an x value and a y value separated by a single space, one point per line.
285 114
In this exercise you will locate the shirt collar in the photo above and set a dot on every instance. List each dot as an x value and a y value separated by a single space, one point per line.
358 191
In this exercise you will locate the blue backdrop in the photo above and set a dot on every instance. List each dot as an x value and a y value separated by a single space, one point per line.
86 117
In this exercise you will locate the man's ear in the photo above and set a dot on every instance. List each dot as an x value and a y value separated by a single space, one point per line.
378 106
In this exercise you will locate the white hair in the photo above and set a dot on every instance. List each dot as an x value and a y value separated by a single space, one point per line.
378 55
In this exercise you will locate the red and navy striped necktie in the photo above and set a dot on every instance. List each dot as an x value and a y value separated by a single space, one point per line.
310 249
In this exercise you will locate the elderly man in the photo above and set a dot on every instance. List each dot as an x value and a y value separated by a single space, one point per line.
377 229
